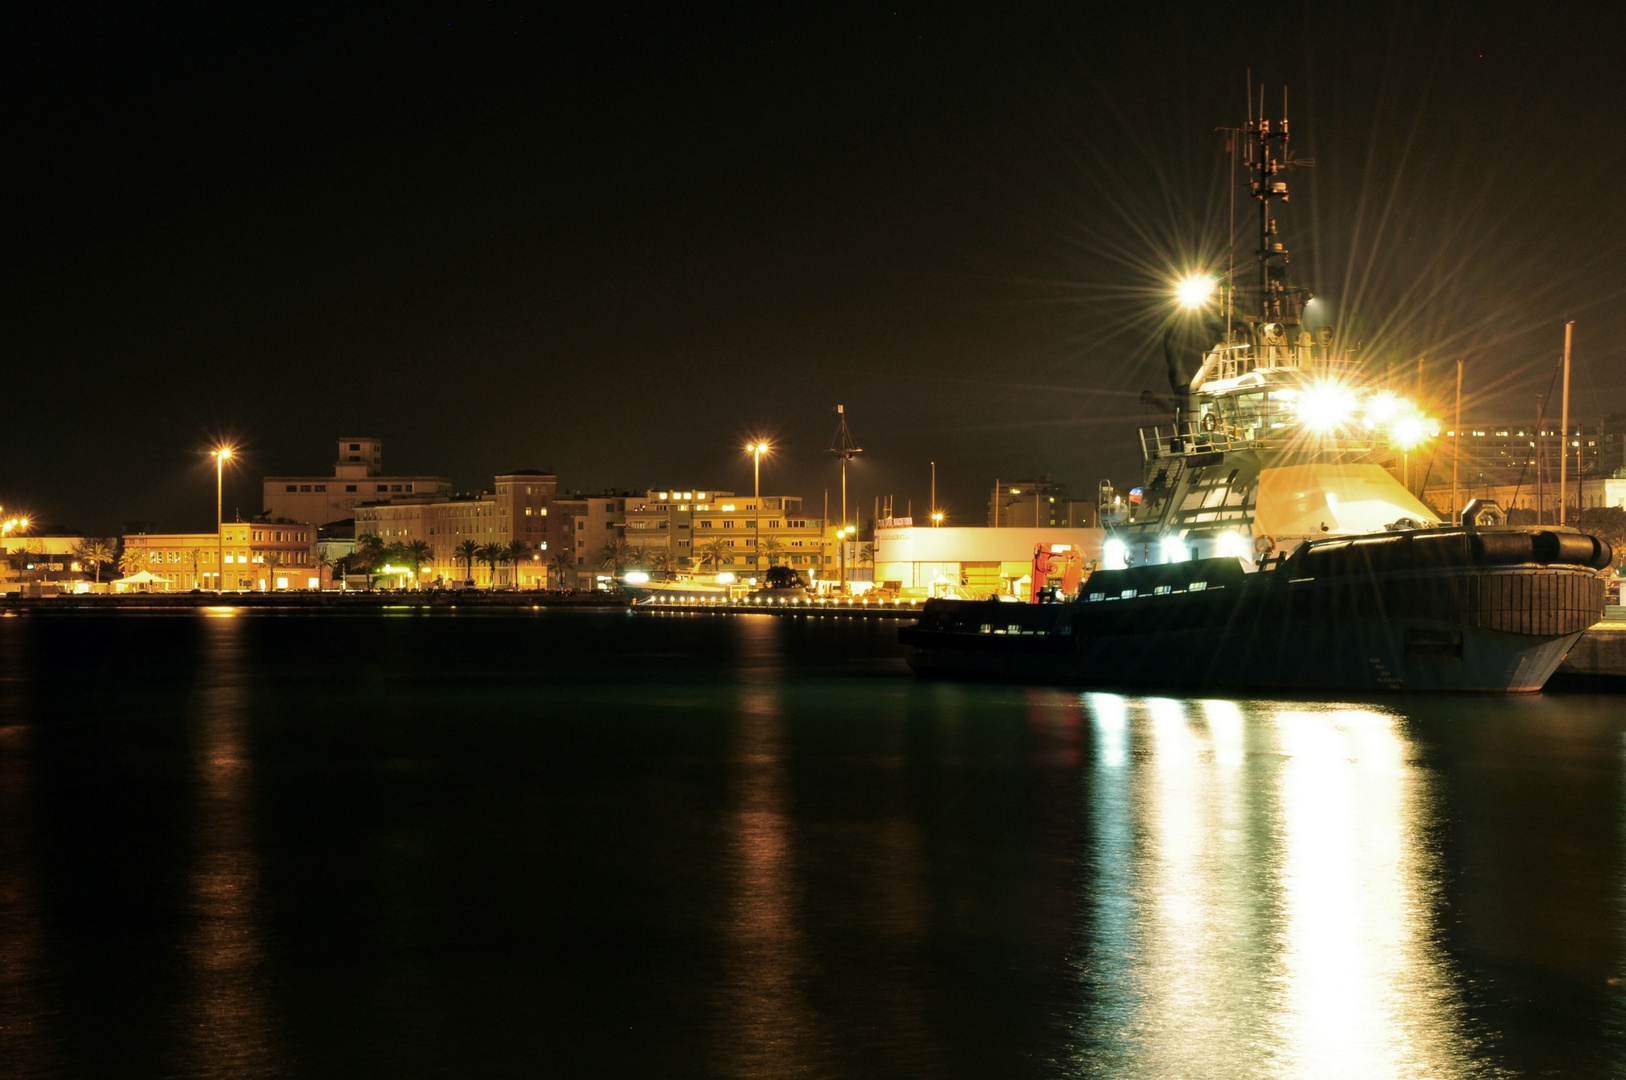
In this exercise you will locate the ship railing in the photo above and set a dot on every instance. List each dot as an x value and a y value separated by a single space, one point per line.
1189 437
1233 361
1185 437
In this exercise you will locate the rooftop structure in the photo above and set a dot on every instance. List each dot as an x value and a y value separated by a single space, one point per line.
358 477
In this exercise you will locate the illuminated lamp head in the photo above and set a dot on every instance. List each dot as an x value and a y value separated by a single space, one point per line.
1174 549
1114 555
1325 406
1410 430
1194 291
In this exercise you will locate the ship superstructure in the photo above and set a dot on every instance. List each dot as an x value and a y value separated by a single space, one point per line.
1278 436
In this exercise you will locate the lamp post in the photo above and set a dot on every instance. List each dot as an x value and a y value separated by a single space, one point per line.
221 454
841 536
756 450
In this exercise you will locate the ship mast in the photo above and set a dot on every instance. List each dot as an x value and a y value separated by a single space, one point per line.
1267 157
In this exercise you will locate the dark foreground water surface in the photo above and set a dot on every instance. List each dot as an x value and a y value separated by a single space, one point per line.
596 844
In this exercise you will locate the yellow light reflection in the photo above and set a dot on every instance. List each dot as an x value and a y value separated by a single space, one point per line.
228 1030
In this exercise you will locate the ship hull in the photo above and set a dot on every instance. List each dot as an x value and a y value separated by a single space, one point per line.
1499 629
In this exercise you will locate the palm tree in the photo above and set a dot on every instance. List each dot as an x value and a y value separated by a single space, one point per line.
417 553
715 553
517 551
132 562
194 559
616 555
271 560
466 553
664 560
492 554
323 562
774 550
370 550
93 553
562 566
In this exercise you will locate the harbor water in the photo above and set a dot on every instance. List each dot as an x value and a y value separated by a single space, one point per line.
599 843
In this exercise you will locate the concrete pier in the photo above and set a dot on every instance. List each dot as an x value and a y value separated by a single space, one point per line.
1598 659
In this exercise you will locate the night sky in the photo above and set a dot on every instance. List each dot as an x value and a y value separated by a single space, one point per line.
618 244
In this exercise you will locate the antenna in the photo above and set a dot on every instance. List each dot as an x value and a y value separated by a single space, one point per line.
842 445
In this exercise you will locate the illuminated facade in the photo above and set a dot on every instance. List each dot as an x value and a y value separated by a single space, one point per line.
259 557
357 478
522 508
691 523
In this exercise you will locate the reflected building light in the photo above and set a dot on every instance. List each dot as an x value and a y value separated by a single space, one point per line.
1110 715
1224 720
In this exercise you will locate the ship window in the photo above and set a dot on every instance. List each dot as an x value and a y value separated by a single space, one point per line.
1127 594
1094 596
1197 586
987 628
1163 590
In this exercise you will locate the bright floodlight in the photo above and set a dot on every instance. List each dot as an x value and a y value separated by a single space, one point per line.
636 577
1174 549
1232 545
1114 555
1193 292
1326 406
1381 407
1408 431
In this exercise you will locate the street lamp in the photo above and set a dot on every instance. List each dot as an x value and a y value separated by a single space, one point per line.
841 536
756 450
221 454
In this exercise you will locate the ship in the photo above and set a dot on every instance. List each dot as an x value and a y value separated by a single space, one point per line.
1270 545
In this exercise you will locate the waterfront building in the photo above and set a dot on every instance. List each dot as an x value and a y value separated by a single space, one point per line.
1037 504
358 477
260 556
702 528
521 508
1517 466
970 562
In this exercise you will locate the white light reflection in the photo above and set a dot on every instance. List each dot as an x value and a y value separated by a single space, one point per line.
1364 987
1262 900
1110 715
1224 720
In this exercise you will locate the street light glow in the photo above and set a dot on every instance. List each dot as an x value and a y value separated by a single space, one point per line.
1194 292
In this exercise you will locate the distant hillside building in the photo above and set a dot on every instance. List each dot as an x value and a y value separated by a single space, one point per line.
358 477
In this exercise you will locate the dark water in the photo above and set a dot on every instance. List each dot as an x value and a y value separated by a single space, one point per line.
575 844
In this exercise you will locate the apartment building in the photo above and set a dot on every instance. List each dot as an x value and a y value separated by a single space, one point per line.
719 530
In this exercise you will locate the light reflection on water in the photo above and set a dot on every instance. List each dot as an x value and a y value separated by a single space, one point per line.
751 847
1263 898
225 1027
770 1019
